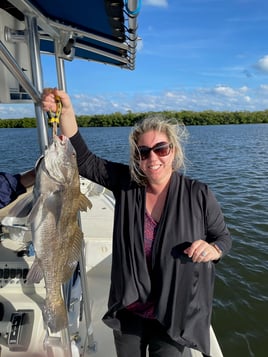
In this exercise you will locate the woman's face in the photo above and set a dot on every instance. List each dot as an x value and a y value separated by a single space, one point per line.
157 168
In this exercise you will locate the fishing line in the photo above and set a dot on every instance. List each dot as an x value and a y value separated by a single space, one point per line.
54 118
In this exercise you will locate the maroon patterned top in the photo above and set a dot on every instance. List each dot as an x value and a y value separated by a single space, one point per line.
150 227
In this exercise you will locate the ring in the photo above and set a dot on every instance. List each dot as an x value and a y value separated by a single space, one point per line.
204 253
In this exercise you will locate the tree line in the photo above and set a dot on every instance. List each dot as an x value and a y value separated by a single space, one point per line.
208 117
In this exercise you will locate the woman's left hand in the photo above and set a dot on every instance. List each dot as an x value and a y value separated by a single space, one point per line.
201 251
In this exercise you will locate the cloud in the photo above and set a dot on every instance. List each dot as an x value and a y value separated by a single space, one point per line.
264 87
262 64
219 98
224 91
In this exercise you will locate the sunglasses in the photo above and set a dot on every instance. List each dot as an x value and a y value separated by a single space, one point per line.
160 149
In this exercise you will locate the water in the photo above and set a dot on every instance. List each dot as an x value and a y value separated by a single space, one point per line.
233 160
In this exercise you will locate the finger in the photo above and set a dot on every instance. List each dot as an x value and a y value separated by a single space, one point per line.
48 99
48 105
201 253
206 255
195 249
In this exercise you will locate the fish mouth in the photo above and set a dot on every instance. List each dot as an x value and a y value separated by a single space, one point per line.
61 137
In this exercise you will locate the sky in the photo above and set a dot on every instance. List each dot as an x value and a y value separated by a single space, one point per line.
192 55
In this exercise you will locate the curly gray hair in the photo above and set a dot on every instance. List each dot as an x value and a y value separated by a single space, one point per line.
175 133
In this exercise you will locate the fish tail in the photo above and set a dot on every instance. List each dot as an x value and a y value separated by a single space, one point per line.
55 315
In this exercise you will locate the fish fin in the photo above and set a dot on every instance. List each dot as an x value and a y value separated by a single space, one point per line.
84 203
35 274
69 271
55 315
35 208
18 214
53 204
74 255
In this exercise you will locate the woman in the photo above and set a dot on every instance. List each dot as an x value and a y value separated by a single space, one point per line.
168 232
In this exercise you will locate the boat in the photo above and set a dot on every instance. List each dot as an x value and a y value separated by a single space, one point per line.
95 30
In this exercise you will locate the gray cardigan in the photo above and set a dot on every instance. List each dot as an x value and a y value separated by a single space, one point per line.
183 290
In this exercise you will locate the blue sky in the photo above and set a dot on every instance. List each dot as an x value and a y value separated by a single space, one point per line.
193 55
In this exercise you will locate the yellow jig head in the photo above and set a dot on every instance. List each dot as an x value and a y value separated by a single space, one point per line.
54 118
